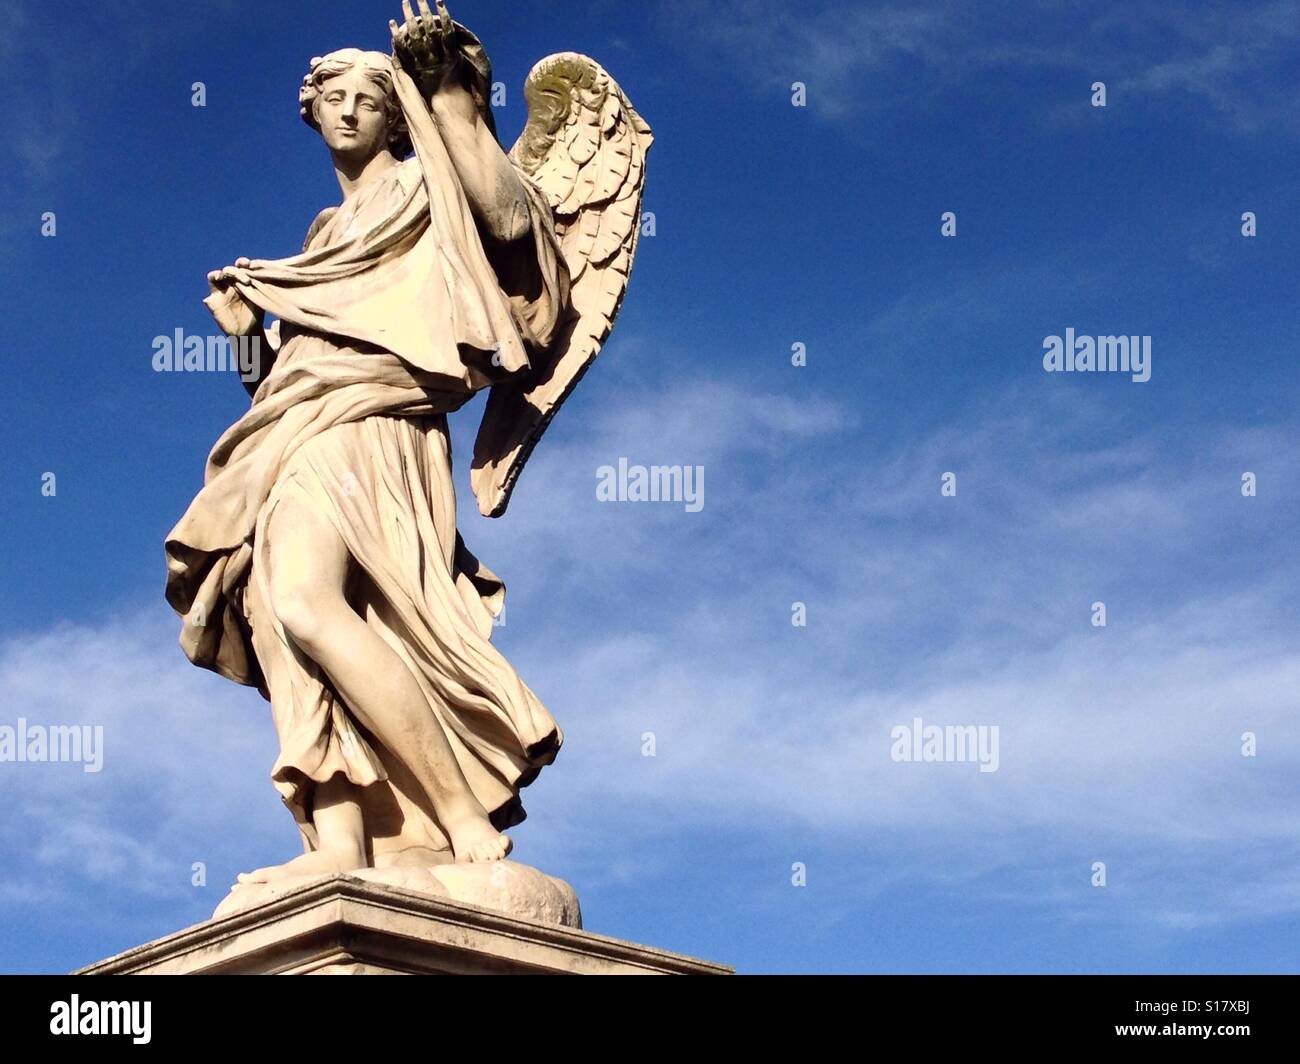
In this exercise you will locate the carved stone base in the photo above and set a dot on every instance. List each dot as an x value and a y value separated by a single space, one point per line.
505 886
345 925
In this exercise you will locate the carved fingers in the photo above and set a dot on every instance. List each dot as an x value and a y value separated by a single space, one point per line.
238 273
444 20
423 43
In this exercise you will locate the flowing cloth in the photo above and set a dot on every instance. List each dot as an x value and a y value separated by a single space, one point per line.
392 316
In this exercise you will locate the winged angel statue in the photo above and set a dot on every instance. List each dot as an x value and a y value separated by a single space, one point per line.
320 562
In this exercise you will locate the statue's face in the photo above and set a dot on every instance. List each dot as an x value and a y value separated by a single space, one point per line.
352 116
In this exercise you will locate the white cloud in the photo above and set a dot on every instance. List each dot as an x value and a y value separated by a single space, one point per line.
980 614
185 773
858 59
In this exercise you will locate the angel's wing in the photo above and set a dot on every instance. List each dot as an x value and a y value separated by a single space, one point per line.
585 148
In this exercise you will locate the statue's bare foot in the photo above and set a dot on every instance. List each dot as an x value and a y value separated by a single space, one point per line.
316 863
475 839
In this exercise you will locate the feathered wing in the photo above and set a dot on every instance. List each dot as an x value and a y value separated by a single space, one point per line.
584 147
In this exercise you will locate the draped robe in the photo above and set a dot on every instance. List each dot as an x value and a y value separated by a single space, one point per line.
394 315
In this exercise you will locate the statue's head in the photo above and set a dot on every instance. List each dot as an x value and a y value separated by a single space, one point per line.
349 99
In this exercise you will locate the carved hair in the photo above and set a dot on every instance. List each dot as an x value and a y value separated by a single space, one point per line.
378 68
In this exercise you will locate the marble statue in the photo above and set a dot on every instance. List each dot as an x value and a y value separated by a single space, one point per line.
320 562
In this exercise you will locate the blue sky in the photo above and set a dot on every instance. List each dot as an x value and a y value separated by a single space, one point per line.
775 225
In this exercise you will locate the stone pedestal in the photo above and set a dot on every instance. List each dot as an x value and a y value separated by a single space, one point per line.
344 925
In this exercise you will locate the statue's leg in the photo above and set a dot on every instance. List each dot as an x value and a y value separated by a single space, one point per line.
309 565
337 817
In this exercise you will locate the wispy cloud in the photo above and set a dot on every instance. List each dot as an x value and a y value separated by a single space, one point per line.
184 775
1125 739
858 59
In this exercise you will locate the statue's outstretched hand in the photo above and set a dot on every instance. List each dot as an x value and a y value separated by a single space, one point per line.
234 315
423 44
228 274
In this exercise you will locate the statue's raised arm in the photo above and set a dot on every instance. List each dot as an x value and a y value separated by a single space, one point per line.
449 67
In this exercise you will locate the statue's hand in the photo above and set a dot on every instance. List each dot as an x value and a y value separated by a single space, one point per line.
423 45
228 275
234 315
